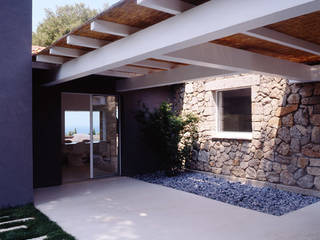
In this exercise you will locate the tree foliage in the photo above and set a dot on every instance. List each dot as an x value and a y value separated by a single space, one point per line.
60 22
169 135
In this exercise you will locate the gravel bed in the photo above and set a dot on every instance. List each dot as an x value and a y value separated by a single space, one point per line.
263 199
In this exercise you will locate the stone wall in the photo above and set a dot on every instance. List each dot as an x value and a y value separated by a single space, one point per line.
285 144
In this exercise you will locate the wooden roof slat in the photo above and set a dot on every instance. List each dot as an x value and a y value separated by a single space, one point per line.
305 27
263 47
284 40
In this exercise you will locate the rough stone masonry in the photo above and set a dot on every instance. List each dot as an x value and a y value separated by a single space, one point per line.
285 144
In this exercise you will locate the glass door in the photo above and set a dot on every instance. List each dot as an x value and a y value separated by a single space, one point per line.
104 136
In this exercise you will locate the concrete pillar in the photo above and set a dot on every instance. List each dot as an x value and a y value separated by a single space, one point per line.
15 103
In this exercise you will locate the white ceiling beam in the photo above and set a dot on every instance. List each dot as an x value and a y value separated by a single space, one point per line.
118 74
174 76
284 39
49 59
154 64
66 52
85 41
42 65
132 69
233 59
112 28
169 6
201 24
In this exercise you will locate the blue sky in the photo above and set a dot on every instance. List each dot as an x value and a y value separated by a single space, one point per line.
81 121
38 7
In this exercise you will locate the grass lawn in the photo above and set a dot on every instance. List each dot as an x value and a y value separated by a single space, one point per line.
35 225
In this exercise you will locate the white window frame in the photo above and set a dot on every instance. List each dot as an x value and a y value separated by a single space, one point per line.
228 134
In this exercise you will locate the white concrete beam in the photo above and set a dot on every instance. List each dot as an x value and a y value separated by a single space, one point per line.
284 39
49 59
154 64
42 65
66 52
169 6
233 59
171 35
174 76
118 74
85 41
112 28
132 69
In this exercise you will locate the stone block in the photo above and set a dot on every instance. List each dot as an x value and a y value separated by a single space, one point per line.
317 182
287 178
315 135
276 167
306 181
295 145
302 162
284 134
274 122
226 170
314 162
244 165
311 151
257 109
238 172
189 88
306 91
216 170
293 98
266 165
310 100
283 159
273 177
301 117
261 175
257 118
299 173
251 173
283 149
315 119
259 154
275 93
287 120
282 111
314 171
203 156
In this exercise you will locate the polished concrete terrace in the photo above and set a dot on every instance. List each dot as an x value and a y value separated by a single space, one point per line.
123 208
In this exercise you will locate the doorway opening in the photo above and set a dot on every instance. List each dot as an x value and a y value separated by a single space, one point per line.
90 125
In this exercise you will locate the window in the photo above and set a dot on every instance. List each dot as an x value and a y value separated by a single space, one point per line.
234 110
77 126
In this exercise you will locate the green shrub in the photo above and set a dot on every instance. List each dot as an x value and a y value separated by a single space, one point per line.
169 135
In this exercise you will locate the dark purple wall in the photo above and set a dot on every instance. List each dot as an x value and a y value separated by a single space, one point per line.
15 103
47 121
136 156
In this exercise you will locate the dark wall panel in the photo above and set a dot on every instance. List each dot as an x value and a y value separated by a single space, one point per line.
136 156
47 134
15 103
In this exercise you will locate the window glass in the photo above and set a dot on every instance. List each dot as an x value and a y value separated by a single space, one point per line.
235 110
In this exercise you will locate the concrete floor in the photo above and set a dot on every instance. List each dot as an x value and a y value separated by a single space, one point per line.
123 208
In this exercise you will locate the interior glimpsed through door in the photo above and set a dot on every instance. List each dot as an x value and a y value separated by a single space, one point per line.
90 136
105 135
